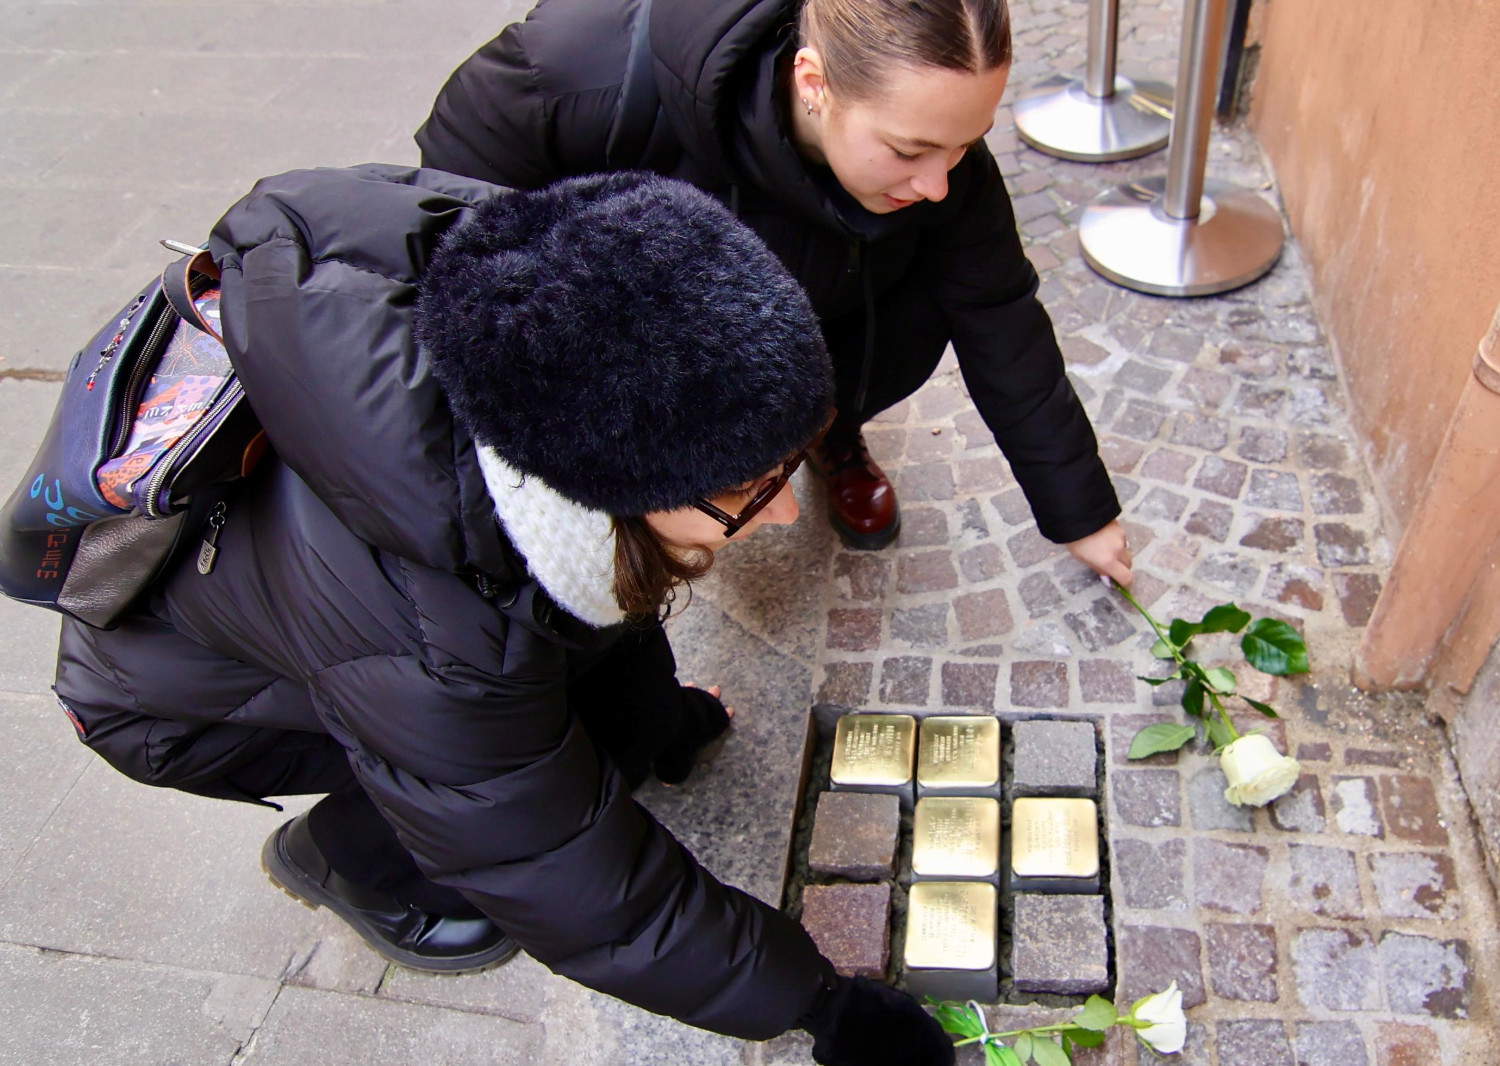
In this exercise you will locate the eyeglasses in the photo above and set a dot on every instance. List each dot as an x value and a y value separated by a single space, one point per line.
763 496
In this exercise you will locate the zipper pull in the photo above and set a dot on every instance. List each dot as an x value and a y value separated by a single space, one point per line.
208 551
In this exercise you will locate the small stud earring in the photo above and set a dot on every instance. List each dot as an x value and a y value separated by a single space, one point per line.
807 104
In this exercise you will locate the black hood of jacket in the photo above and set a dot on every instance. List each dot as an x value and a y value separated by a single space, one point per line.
316 311
723 86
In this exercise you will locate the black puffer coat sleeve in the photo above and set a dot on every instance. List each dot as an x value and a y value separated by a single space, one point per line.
536 103
497 790
1009 357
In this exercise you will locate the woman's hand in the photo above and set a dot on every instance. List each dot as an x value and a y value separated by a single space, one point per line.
1107 551
713 690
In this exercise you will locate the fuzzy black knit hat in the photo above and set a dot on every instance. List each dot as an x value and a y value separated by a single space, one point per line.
625 339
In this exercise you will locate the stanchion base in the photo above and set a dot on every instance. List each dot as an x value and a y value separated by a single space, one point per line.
1127 237
1059 117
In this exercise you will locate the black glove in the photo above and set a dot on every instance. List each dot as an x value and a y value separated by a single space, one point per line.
864 1023
703 721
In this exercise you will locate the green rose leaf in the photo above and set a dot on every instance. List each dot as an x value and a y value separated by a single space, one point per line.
1098 1012
955 1019
1219 734
1225 618
1163 736
1154 681
1221 680
1264 708
1049 1053
1273 647
1023 1046
1192 698
1181 631
1162 650
1000 1055
1087 1037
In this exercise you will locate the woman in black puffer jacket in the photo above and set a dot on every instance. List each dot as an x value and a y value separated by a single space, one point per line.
848 135
623 376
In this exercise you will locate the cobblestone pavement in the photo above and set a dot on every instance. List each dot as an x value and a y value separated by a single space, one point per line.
1350 924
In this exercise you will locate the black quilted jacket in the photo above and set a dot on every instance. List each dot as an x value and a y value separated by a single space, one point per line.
343 601
540 102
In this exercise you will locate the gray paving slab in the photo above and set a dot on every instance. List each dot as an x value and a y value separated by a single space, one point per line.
159 876
80 1011
336 1029
43 761
735 815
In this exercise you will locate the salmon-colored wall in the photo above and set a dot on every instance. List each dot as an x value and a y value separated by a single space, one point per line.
1382 120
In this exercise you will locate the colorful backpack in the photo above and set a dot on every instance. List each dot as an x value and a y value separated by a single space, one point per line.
151 413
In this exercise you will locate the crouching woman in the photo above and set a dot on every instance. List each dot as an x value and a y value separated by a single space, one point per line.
505 426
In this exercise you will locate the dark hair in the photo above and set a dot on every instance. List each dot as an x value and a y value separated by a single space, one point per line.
647 571
860 39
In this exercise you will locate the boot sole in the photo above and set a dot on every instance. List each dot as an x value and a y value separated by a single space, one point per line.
866 541
287 877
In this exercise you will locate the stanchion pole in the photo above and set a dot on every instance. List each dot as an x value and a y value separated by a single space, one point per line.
1182 234
1101 116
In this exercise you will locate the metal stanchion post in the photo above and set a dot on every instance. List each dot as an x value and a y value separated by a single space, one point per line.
1101 116
1181 235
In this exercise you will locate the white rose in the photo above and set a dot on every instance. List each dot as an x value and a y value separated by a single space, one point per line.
1256 771
1168 1029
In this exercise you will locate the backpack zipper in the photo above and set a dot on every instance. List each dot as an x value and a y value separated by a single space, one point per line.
130 397
184 443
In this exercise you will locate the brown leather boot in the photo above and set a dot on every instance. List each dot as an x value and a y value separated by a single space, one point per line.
861 499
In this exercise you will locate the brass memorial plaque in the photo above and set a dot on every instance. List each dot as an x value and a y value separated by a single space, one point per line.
956 836
873 749
1054 838
950 925
959 752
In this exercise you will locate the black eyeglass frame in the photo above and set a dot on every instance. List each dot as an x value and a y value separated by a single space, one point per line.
734 523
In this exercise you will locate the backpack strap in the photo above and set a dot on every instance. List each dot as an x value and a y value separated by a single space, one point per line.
178 282
635 114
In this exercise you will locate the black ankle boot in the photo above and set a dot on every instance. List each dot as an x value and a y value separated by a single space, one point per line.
398 931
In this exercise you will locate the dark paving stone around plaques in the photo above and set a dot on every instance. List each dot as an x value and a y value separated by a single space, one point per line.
861 575
1151 956
906 680
851 924
969 684
1150 876
1058 944
1054 759
1038 683
1103 625
854 835
1147 797
1106 681
846 684
1242 961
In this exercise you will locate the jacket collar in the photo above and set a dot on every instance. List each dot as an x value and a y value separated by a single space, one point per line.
569 549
